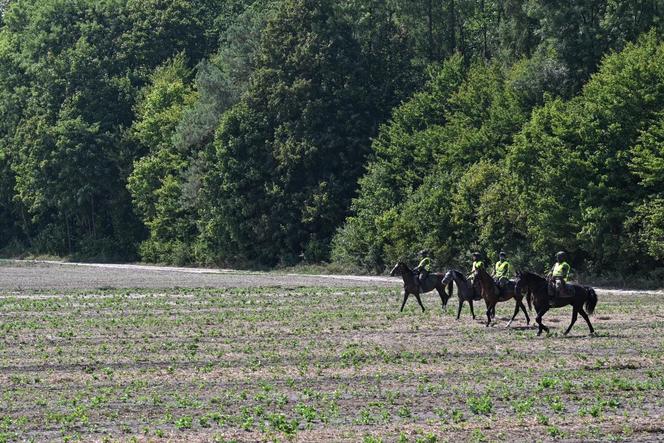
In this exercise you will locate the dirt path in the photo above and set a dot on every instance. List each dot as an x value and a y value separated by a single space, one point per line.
39 275
43 274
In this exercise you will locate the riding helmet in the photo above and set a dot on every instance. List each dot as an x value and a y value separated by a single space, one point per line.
561 255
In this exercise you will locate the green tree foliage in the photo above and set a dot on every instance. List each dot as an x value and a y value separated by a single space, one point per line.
287 159
646 226
268 131
222 78
573 159
582 31
157 178
70 77
483 172
423 185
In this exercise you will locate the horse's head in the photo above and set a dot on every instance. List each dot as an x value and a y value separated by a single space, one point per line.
398 269
448 277
483 282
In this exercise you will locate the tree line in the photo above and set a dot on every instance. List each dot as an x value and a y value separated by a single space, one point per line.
271 132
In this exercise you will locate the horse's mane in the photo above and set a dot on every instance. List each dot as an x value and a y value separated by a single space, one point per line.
458 274
530 273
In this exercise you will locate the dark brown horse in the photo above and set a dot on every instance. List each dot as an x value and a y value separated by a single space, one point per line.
465 290
492 294
412 286
537 288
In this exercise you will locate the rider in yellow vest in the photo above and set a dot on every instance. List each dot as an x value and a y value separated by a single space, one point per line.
559 275
503 270
424 268
478 263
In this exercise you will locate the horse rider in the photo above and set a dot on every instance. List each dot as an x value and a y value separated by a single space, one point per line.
478 264
424 268
502 271
558 276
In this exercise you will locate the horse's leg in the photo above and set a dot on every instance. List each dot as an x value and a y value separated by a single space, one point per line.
460 306
440 290
488 314
516 311
472 311
419 300
529 298
523 308
540 314
585 317
405 297
575 311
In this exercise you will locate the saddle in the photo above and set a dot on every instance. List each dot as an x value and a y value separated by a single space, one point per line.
477 293
560 289
428 285
499 290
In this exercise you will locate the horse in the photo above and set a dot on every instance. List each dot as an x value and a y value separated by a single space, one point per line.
492 294
465 291
538 290
411 285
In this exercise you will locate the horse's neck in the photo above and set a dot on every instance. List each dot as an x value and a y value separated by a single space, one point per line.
535 280
485 278
460 280
487 281
407 275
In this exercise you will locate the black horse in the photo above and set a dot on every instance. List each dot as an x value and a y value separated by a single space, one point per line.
492 294
465 291
537 288
412 286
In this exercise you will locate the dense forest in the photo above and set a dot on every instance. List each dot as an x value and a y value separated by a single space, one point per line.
275 132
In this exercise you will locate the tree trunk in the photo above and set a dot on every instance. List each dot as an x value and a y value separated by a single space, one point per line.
430 14
451 27
68 234
92 217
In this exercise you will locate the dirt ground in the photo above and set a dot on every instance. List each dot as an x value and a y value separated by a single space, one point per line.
131 354
62 275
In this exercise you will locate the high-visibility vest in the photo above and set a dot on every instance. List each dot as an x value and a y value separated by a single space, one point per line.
503 269
425 264
561 270
479 264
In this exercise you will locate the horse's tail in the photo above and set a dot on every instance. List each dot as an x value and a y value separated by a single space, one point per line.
450 287
592 300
